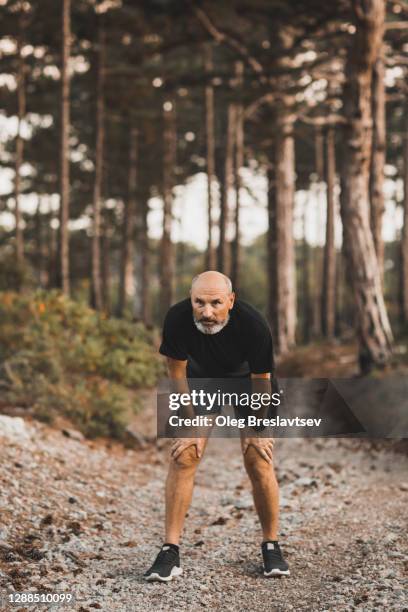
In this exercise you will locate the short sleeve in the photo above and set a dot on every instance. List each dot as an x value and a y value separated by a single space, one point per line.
260 354
172 344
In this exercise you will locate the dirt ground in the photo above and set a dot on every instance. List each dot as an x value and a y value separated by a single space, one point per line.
87 517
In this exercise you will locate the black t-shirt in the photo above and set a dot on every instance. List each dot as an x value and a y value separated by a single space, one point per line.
243 346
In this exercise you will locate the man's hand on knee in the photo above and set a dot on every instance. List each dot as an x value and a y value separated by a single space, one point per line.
263 446
180 444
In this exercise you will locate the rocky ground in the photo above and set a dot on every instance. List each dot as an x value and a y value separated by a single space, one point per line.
87 517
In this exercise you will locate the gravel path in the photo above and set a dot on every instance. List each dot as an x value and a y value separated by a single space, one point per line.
83 517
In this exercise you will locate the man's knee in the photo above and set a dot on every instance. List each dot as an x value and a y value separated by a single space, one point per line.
187 458
257 467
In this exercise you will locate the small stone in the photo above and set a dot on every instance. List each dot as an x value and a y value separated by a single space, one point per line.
73 434
133 439
221 520
14 428
305 482
47 520
75 527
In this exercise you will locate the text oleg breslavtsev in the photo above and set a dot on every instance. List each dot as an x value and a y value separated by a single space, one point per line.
249 421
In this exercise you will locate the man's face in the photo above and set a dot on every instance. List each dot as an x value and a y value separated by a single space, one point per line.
211 306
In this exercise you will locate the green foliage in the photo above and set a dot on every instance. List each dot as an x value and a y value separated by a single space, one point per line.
58 356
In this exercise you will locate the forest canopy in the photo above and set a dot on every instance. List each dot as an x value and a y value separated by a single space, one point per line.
145 142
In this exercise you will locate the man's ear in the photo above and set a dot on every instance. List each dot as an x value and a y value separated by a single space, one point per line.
232 298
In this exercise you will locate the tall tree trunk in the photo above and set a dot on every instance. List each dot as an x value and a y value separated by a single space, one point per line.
52 240
97 301
210 153
39 245
167 263
374 331
105 262
127 273
145 260
316 296
404 235
378 158
64 154
238 165
329 259
306 309
21 106
319 153
224 250
284 310
339 294
272 254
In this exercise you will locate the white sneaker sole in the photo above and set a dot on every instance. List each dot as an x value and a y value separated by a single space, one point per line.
176 571
277 572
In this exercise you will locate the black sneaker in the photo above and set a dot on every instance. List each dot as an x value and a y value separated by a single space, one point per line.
166 566
274 563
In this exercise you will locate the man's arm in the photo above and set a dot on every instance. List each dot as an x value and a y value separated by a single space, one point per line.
261 383
177 369
178 376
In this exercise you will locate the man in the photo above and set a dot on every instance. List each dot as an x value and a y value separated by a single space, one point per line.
211 334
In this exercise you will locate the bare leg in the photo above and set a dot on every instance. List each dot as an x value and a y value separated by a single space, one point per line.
265 492
179 490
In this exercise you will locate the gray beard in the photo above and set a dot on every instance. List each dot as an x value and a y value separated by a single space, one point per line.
214 329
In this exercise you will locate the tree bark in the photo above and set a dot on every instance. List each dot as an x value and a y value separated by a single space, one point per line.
272 253
378 158
306 309
38 242
283 252
329 260
315 285
64 280
52 241
127 272
167 263
97 300
21 106
145 257
210 153
238 164
105 263
374 331
224 246
319 153
404 235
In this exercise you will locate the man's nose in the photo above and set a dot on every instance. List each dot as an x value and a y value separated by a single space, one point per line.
207 312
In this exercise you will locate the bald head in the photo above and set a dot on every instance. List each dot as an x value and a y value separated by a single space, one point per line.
211 279
212 298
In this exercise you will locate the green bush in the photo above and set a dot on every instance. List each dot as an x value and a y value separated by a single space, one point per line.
58 356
